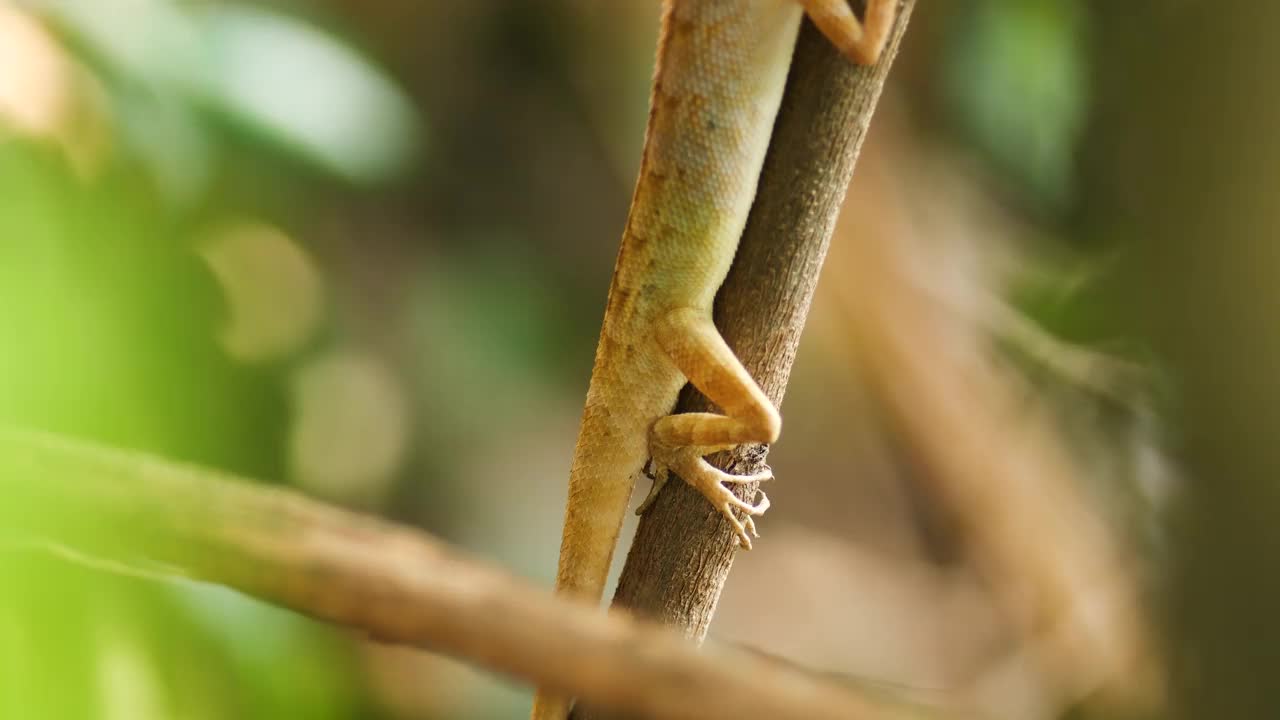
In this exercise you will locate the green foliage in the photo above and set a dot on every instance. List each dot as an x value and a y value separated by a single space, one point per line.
109 327
297 87
176 73
1015 77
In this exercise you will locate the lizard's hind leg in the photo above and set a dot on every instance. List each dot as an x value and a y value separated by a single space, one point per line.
859 41
678 443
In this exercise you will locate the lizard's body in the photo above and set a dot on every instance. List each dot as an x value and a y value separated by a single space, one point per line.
691 201
721 69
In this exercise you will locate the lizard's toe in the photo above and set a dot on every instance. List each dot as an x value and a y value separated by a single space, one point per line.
711 482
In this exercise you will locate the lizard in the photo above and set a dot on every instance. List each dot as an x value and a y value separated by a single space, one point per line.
720 71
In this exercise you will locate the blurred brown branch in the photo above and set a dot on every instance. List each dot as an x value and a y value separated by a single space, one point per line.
155 517
683 550
920 299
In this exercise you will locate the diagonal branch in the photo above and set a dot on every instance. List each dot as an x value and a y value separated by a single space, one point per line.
140 513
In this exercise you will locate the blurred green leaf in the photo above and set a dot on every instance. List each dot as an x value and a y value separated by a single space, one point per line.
168 66
485 320
166 136
1015 77
302 89
285 668
147 44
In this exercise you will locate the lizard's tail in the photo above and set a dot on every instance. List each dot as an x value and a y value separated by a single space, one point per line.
605 464
547 706
599 491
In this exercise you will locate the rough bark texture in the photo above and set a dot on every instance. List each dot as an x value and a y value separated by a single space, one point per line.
683 549
126 512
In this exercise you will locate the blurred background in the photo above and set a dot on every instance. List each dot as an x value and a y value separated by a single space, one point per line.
362 248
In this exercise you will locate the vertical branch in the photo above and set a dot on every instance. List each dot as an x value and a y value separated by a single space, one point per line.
683 549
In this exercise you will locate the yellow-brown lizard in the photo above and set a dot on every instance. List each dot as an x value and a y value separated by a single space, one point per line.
720 72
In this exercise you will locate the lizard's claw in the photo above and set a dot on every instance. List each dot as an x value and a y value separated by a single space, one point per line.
660 473
711 482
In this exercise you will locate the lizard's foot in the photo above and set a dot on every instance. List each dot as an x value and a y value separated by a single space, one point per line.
711 482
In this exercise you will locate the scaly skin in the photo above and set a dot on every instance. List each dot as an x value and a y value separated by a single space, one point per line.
721 68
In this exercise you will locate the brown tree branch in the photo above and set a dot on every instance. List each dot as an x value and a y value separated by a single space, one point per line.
990 456
150 516
683 549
